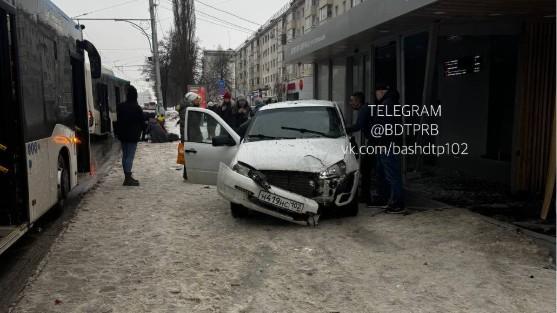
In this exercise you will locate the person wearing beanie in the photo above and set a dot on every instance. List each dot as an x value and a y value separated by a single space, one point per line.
227 111
190 99
129 127
243 110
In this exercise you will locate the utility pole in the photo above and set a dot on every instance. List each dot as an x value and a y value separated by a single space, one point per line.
158 86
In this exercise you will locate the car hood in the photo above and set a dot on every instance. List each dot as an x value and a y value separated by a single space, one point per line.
300 155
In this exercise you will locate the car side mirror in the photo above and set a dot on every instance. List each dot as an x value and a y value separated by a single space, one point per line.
223 140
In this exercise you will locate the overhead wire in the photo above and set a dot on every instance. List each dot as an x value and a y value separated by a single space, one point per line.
230 13
226 12
105 8
217 21
222 25
224 21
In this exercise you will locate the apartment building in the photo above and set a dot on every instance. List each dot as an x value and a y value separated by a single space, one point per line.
260 70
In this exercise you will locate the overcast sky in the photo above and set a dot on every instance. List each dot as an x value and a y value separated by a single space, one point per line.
123 48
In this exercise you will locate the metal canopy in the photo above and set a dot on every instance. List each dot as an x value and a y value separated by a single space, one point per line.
374 19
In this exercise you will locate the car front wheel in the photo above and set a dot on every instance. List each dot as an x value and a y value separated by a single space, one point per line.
238 211
351 209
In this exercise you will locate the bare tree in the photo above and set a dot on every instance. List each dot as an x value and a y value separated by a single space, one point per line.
178 54
165 49
184 55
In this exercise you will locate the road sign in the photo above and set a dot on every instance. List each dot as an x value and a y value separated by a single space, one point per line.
222 86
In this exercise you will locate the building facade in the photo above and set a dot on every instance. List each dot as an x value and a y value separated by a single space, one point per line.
260 69
485 63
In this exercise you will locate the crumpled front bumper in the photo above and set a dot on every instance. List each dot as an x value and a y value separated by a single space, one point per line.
243 190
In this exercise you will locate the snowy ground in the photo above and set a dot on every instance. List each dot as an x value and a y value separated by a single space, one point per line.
170 246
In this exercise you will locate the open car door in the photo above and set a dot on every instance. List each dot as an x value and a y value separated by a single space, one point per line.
209 141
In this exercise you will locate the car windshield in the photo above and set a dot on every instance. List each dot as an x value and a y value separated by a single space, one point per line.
295 123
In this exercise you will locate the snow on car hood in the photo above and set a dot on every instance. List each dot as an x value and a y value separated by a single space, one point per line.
301 155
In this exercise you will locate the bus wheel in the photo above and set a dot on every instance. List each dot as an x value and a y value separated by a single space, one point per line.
63 181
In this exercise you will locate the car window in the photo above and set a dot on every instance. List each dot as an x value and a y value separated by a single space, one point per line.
202 127
297 122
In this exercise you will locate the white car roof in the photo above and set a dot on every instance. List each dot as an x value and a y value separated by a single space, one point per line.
298 103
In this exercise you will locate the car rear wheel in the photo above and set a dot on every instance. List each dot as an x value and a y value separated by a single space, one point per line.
238 211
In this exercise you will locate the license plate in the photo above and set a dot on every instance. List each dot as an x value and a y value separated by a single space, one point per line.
280 202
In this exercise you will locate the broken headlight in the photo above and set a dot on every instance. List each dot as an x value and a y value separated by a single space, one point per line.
255 175
242 169
335 171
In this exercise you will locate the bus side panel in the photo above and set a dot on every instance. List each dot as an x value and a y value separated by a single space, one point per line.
41 180
42 166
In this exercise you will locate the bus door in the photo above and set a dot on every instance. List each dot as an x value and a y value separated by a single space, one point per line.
104 108
81 115
12 166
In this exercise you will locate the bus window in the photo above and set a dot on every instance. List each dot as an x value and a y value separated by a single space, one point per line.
117 93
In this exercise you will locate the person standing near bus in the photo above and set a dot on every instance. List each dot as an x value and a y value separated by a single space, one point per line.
128 130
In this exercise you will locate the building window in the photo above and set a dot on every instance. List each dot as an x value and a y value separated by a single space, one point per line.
325 12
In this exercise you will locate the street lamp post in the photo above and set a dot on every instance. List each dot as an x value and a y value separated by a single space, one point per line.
153 45
158 87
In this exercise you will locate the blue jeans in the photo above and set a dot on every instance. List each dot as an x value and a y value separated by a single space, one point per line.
389 178
128 154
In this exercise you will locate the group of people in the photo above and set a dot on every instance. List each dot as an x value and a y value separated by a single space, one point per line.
234 113
387 166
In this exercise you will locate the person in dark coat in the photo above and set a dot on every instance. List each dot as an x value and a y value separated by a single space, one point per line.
190 99
227 111
243 111
129 128
388 166
211 122
157 131
363 125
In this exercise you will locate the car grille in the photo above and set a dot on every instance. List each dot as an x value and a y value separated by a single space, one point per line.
296 182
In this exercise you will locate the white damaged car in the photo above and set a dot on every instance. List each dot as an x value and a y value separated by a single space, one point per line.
293 161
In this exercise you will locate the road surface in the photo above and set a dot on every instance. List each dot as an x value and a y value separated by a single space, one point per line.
170 246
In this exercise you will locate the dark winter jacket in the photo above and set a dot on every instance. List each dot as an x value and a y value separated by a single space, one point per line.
390 99
228 113
130 121
242 115
363 123
157 132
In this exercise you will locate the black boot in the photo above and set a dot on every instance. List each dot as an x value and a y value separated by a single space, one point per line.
396 208
130 181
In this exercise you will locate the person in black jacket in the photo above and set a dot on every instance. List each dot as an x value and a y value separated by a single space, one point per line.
227 111
243 111
388 166
363 125
129 127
